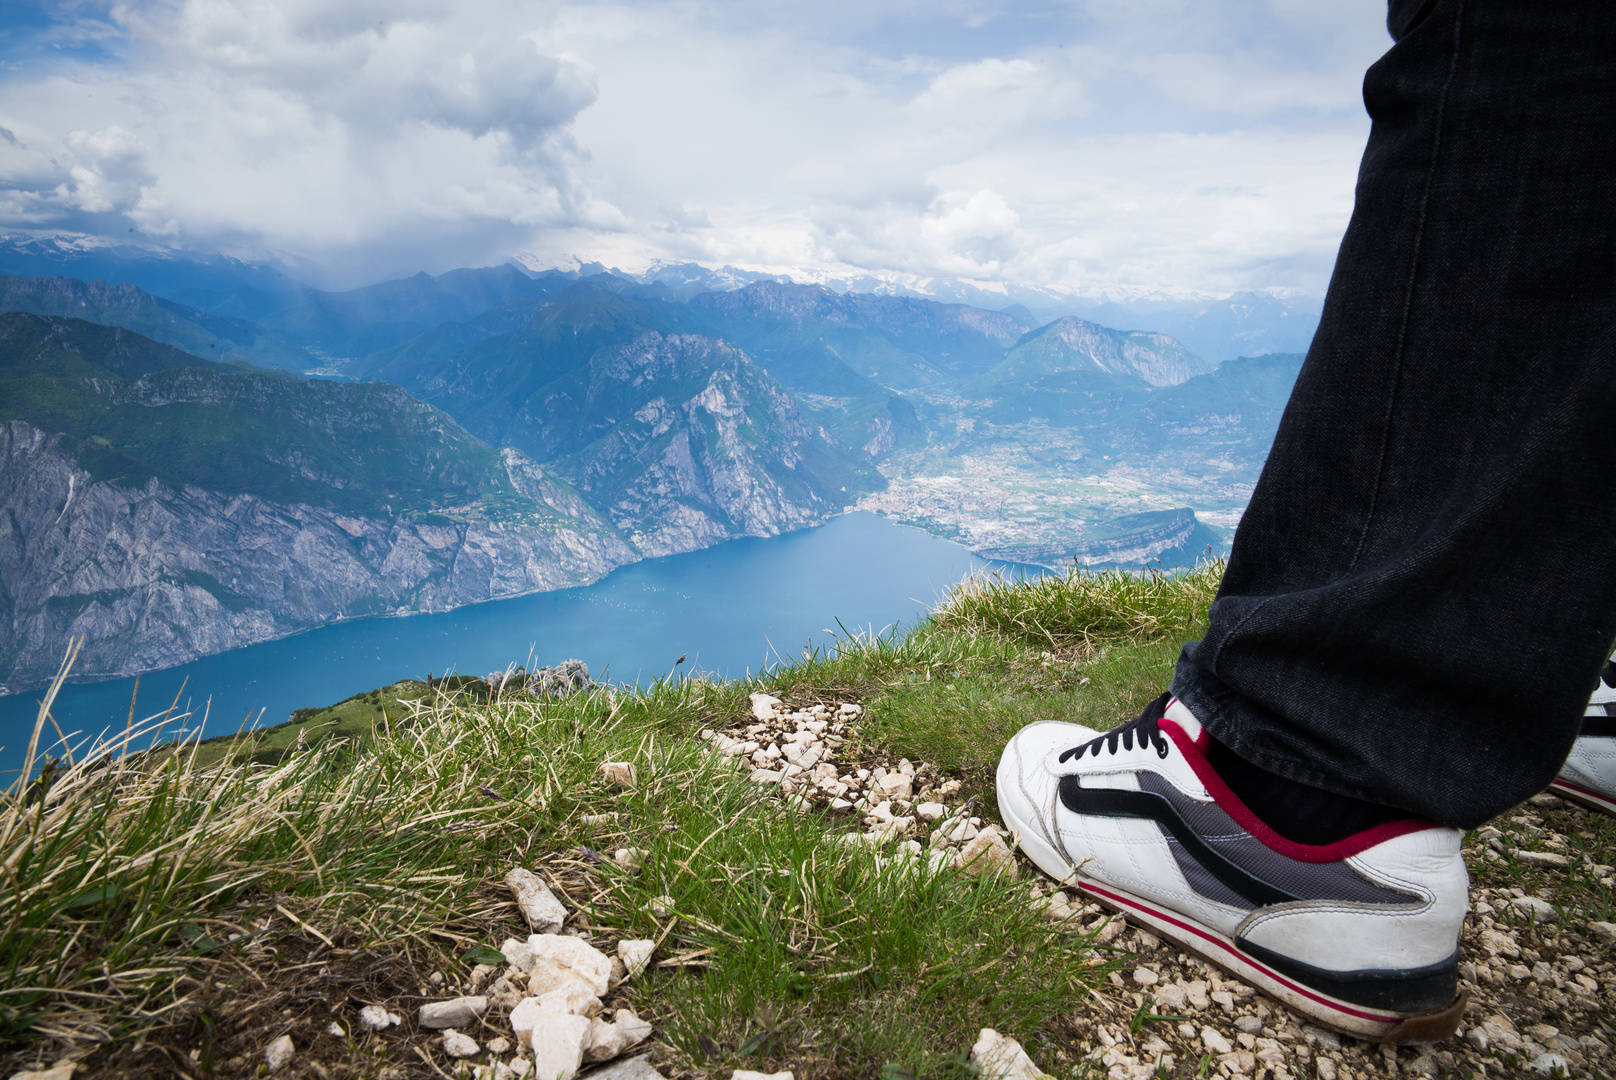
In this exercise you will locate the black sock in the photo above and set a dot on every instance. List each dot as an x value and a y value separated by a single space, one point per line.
1301 814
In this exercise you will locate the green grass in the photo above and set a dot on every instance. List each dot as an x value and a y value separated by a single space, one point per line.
138 888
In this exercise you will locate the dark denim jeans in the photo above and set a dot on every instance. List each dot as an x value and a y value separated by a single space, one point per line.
1423 589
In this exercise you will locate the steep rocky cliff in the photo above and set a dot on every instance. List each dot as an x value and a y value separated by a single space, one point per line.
158 574
685 443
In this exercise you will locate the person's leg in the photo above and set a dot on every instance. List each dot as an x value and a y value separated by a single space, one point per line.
1422 591
1419 595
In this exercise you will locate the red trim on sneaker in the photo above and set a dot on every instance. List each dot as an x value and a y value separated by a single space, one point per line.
1222 945
1310 853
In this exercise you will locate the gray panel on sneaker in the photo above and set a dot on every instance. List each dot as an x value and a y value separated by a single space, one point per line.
1308 881
1201 879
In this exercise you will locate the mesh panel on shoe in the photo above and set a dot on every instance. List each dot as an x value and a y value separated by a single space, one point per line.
1309 881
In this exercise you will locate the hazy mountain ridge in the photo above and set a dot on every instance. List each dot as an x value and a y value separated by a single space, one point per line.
209 336
1073 344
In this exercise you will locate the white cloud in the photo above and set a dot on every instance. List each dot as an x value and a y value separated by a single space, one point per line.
1167 144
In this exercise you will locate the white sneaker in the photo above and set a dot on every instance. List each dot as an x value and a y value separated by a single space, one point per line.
1360 935
1589 774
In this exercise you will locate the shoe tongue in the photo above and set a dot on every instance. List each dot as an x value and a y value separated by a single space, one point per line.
1179 713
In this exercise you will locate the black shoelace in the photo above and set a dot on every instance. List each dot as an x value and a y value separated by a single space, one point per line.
1143 729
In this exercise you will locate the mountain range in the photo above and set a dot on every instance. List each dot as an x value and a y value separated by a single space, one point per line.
246 456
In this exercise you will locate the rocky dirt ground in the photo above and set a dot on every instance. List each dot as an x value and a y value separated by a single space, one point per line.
1536 960
1535 953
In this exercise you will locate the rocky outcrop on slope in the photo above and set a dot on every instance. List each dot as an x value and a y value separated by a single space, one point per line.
694 444
156 575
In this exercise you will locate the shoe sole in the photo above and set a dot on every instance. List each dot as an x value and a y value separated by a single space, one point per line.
1592 799
1375 1025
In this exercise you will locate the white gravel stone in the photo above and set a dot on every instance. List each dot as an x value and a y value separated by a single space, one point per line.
558 1045
930 811
635 954
604 1042
987 854
573 997
62 1070
895 785
279 1054
622 773
1214 1041
748 1074
457 1045
518 954
539 906
635 1030
1546 859
1539 911
630 859
559 957
499 1044
456 1013
376 1018
1145 977
765 706
999 1057
1603 932
638 1068
1546 1063
335 1029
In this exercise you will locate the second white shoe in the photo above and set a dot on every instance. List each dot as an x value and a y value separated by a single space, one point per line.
1589 774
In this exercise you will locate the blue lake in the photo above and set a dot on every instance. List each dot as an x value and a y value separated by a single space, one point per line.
736 608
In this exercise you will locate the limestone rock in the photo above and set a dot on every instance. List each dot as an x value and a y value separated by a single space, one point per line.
620 773
1539 911
279 1054
999 1057
765 707
376 1018
559 957
1214 1041
518 954
60 1071
634 1030
661 906
539 906
930 811
748 1074
987 854
1603 932
605 1041
1500 944
1547 859
457 1045
523 1018
637 1068
455 1013
557 1040
505 993
573 997
630 859
635 954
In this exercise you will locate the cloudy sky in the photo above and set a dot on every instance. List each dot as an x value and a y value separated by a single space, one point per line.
1175 146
